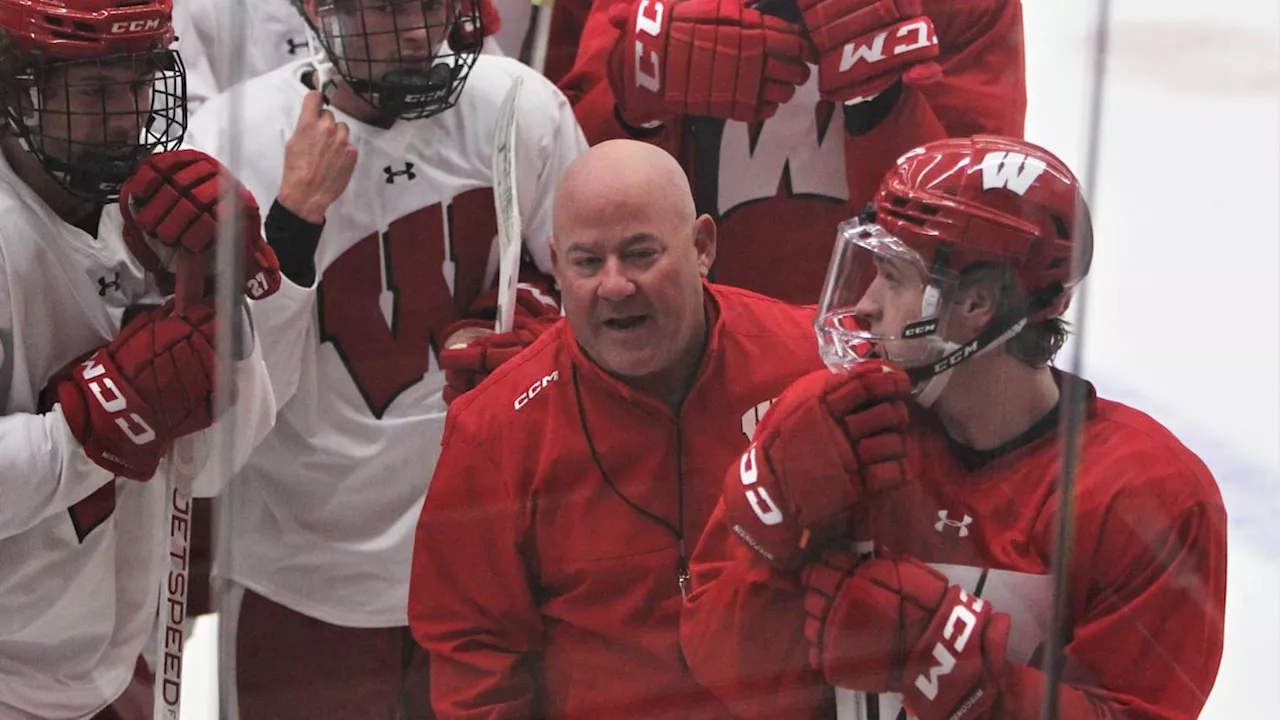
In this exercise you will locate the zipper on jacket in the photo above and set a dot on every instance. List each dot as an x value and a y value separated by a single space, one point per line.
683 577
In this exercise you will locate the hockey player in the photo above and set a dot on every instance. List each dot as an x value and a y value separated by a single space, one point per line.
780 155
263 35
272 34
941 604
383 217
550 559
99 375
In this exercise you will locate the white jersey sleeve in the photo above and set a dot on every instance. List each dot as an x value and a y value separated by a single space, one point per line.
548 139
287 319
45 469
225 42
251 416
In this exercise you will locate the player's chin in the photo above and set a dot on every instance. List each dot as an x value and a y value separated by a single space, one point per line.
630 356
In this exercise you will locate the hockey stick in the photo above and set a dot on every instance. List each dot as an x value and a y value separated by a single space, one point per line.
507 206
171 631
542 11
1074 397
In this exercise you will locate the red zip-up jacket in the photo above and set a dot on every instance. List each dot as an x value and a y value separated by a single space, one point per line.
546 572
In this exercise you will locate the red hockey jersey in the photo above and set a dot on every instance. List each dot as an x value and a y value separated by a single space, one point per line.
779 188
546 572
1147 577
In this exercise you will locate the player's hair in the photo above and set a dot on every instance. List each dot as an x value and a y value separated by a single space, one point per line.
1037 343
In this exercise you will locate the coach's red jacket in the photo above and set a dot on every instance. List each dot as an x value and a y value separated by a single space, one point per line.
546 573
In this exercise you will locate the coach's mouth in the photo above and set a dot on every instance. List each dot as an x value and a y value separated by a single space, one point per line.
626 323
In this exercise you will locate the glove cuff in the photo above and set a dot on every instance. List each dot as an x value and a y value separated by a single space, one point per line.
946 675
74 410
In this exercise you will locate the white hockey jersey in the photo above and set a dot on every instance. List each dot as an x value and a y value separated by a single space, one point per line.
325 510
82 554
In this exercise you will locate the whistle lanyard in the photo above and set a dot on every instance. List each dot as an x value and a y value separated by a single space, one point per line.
682 572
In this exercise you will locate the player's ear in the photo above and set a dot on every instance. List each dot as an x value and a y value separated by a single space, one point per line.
704 241
976 305
555 254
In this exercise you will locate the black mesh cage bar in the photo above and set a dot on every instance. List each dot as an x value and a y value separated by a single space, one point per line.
89 122
407 59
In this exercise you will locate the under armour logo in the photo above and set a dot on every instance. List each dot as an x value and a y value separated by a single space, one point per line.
407 172
294 45
103 285
962 526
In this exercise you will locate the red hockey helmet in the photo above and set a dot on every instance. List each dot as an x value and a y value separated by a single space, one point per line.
945 208
83 29
989 199
60 50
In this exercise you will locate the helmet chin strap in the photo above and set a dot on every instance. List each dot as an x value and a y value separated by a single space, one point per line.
407 90
94 175
930 380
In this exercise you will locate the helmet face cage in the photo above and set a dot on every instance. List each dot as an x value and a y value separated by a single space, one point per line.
882 300
91 121
408 59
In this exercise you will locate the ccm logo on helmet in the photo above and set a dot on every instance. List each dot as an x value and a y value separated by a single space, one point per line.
536 388
133 26
927 683
757 497
110 399
648 22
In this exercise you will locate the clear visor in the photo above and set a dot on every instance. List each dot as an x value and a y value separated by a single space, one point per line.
880 300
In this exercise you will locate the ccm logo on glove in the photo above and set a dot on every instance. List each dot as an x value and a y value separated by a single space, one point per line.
920 33
927 683
757 497
648 22
113 402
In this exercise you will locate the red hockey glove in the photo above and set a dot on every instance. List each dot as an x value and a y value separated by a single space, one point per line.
464 34
899 626
152 384
473 352
170 205
703 57
826 442
864 46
